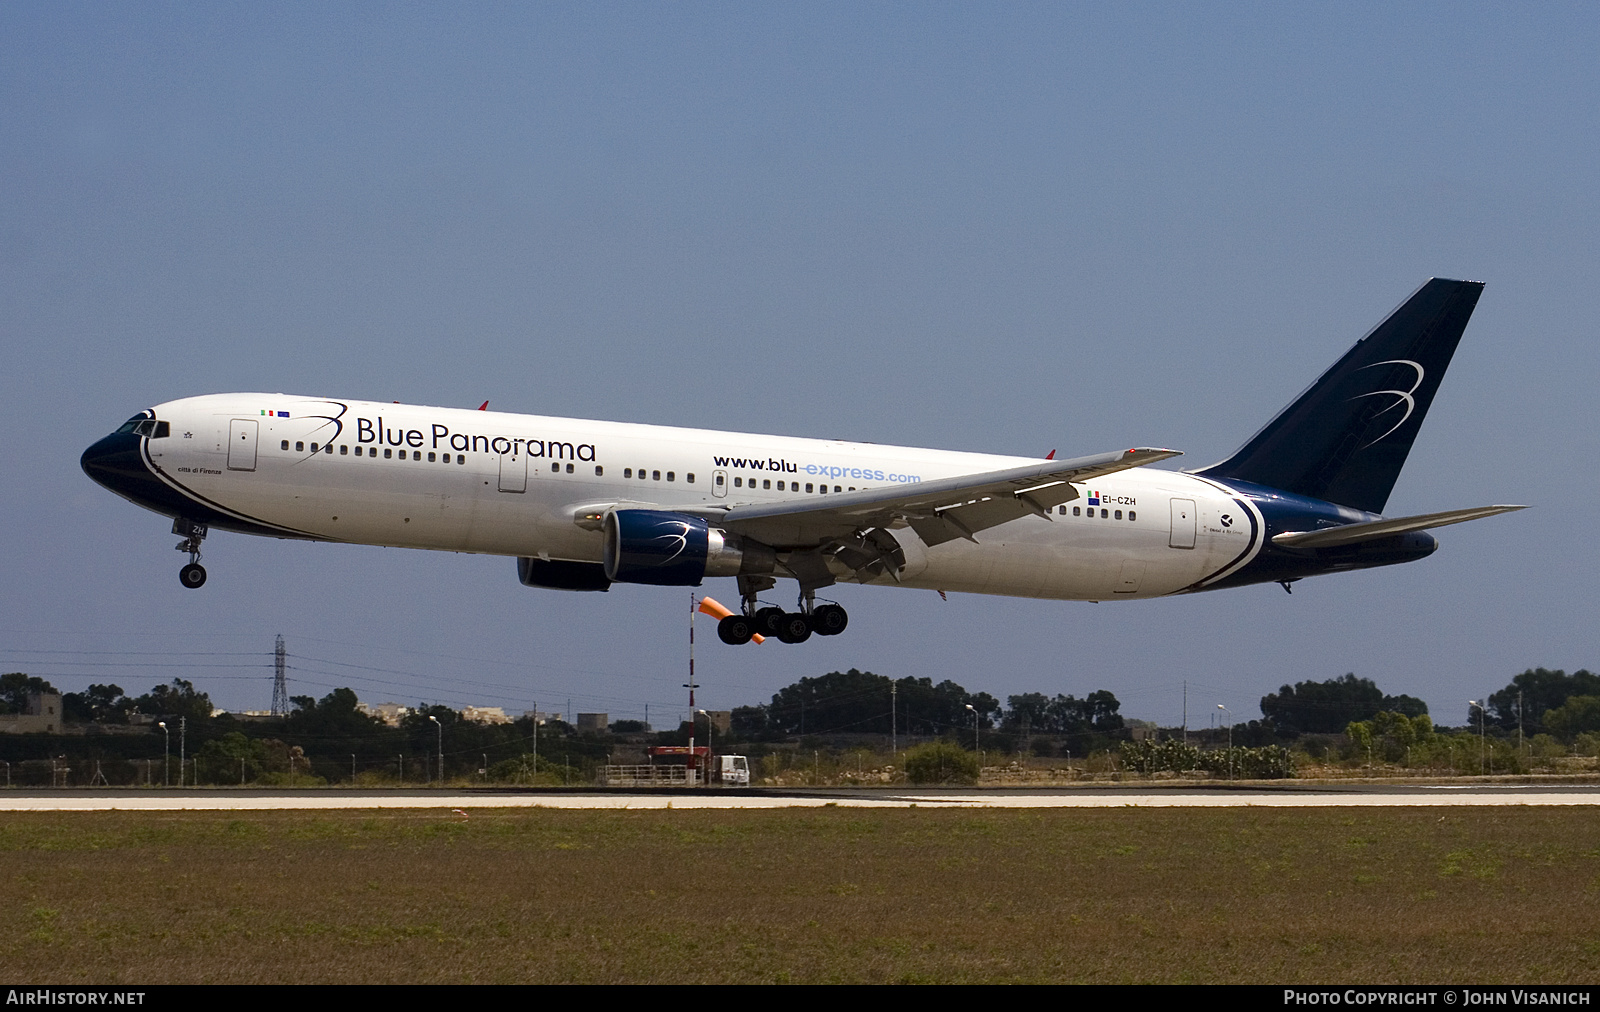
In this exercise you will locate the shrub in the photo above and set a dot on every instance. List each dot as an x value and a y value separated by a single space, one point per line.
941 762
1269 762
1160 756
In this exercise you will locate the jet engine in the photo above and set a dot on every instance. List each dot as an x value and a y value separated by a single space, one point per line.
559 574
676 549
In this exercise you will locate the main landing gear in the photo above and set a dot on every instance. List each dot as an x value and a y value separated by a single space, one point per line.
193 575
789 627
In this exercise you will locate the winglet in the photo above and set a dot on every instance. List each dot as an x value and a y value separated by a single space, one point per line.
484 406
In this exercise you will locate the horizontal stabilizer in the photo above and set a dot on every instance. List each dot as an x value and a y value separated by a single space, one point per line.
1374 529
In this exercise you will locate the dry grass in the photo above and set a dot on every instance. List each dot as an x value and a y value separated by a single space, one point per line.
1245 895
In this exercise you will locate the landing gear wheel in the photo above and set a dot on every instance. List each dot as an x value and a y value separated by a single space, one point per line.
766 620
735 630
794 627
829 620
192 576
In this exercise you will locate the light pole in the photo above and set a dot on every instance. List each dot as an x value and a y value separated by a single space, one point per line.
1229 712
166 752
183 746
709 747
1483 742
441 746
974 726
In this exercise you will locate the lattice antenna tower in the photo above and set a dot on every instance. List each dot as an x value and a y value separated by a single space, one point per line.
280 686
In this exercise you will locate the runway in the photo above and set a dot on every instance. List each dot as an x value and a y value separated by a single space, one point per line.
1287 796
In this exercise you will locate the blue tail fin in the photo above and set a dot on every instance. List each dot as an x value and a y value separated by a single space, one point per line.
1345 439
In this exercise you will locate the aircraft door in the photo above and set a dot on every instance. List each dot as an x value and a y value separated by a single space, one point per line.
514 470
719 483
242 444
1183 524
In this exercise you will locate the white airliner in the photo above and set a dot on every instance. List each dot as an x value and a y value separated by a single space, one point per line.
583 504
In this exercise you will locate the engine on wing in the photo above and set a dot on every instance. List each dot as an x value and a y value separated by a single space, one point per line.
559 574
676 550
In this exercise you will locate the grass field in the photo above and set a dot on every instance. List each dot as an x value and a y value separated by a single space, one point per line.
1147 895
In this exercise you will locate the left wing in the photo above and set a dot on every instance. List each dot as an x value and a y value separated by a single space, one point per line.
938 511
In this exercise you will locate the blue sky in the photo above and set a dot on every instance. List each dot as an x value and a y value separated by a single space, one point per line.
1002 229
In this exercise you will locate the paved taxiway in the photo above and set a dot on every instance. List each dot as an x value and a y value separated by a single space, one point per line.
1221 796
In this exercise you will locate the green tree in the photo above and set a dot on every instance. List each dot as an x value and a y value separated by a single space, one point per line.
15 689
180 699
1329 706
338 714
1539 690
100 704
1579 714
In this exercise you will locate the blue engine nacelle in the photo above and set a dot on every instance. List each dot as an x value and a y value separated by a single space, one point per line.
676 549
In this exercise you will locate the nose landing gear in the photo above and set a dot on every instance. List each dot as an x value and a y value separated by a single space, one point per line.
192 575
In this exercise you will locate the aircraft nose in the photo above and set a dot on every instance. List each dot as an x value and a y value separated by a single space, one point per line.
114 460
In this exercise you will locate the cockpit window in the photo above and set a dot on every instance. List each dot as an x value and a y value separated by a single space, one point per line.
142 426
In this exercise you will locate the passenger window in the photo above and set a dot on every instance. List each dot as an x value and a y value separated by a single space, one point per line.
1103 515
402 455
461 458
1062 510
672 476
836 488
569 468
344 450
1132 515
766 483
314 448
780 486
655 475
738 482
284 445
719 479
1119 515
327 447
1076 510
432 457
689 477
627 472
387 453
299 447
808 486
555 466
599 471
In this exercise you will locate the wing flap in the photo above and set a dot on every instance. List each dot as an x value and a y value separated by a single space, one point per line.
1371 530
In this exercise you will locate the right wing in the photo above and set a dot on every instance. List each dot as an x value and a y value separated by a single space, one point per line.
938 511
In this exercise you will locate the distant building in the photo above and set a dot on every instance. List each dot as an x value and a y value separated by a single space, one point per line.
389 713
595 722
485 715
42 713
722 720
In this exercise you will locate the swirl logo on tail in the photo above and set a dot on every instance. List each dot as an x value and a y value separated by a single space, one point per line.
1401 396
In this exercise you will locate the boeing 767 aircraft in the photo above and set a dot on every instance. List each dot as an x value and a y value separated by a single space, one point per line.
584 504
